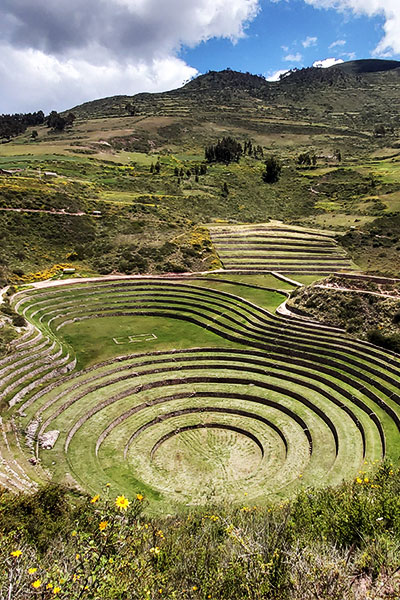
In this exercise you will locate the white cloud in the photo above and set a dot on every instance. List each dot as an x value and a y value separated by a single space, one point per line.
33 80
55 54
349 55
275 76
389 9
327 62
337 43
309 41
293 57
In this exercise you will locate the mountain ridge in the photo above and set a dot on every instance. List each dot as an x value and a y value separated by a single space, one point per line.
368 89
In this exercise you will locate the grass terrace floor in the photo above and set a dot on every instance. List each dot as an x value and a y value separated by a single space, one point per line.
173 386
277 247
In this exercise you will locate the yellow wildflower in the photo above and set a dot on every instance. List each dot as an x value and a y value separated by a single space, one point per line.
16 553
95 498
194 588
358 480
49 586
139 497
37 583
77 556
32 570
103 525
155 550
74 533
56 590
122 503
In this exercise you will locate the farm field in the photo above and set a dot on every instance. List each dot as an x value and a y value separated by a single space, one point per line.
278 247
173 386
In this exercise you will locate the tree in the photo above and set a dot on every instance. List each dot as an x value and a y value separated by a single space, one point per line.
70 119
34 134
131 109
226 150
56 121
273 169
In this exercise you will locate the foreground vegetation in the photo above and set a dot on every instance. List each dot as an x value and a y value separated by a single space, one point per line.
336 544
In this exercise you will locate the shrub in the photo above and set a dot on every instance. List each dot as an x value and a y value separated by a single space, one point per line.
390 342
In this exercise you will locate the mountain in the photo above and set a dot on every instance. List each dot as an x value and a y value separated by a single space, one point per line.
352 94
369 65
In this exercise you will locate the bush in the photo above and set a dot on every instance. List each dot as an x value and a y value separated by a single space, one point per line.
273 170
19 321
390 342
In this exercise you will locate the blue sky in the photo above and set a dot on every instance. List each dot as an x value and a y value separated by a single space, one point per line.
55 54
290 34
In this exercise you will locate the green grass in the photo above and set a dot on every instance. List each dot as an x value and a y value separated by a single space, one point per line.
93 342
237 367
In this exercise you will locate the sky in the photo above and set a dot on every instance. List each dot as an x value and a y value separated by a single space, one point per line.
56 54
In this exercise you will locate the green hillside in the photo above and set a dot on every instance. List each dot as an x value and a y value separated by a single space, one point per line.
139 162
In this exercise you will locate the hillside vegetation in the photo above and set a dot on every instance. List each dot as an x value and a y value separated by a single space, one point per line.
337 544
140 161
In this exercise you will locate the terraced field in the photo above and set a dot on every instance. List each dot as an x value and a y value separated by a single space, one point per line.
189 389
286 249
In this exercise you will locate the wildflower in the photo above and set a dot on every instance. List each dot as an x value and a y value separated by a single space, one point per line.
74 533
103 525
16 553
77 556
194 588
49 586
122 503
155 550
95 498
366 480
139 497
108 484
358 480
56 590
37 583
32 570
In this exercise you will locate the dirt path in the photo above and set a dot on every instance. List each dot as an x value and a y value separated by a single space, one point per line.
344 289
49 212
